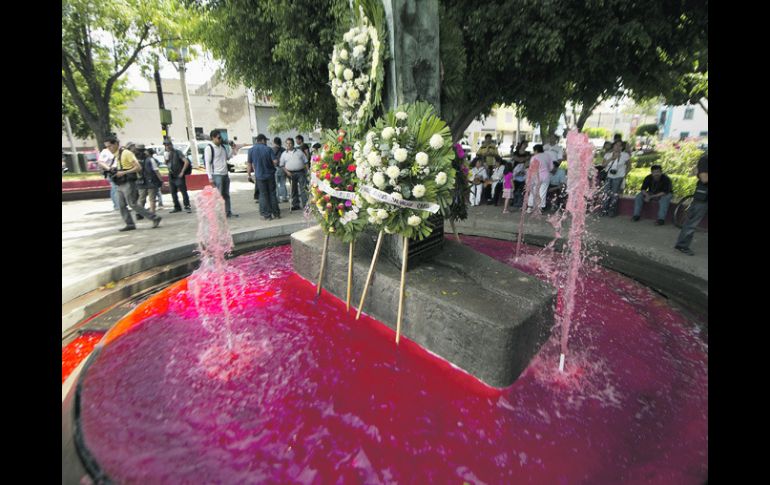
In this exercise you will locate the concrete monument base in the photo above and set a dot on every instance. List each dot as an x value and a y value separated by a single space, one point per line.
479 314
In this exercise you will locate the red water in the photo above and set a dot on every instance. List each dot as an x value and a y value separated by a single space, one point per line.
310 395
77 350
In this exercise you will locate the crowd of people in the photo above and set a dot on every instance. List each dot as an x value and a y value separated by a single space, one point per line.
494 178
135 179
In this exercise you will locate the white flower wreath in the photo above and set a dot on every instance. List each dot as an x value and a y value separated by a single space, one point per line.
356 73
405 168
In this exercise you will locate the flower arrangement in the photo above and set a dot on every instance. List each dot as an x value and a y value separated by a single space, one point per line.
356 71
333 185
405 168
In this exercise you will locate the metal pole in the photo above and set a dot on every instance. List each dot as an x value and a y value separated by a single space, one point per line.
161 105
188 113
75 163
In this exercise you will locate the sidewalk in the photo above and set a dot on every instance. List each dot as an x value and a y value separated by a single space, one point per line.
91 241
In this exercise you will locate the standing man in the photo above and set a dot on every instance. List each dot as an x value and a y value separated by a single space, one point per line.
656 186
302 146
616 164
215 156
557 187
488 151
262 160
280 176
124 174
698 209
105 161
177 166
293 163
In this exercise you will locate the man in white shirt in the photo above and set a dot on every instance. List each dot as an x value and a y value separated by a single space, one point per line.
496 189
478 175
215 159
105 161
293 163
616 164
557 188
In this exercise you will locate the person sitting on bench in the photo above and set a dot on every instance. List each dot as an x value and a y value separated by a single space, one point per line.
656 186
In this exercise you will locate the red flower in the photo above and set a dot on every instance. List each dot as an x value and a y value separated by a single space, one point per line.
338 156
350 188
340 138
347 149
325 166
352 168
328 176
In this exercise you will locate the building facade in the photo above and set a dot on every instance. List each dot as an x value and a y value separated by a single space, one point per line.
682 122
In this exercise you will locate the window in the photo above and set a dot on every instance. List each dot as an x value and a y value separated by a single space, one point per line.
662 118
688 112
703 133
684 135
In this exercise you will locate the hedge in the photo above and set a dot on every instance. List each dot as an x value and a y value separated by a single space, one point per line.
683 185
646 160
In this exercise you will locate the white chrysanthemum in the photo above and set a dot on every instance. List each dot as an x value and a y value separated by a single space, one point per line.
370 137
338 68
400 154
343 54
401 115
361 38
370 211
374 159
382 214
340 92
414 221
360 171
441 178
388 132
397 195
348 36
372 220
348 74
358 51
379 180
436 141
421 158
393 171
418 190
353 93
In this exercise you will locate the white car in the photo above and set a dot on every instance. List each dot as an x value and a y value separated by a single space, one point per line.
239 160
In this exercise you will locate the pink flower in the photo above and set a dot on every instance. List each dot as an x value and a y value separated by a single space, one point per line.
337 180
338 156
348 203
347 149
459 151
351 168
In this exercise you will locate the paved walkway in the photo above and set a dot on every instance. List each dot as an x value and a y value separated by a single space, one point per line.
91 241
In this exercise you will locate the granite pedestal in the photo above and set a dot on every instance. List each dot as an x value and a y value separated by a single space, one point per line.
481 315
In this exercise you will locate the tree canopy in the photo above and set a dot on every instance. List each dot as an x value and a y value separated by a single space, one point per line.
101 39
538 54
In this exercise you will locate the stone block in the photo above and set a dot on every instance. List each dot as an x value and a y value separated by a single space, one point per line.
479 314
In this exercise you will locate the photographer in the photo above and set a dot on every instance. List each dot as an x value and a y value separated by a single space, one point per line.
123 173
616 164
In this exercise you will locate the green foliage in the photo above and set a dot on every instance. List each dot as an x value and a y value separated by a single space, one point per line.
646 160
101 39
646 130
683 185
281 48
680 158
597 133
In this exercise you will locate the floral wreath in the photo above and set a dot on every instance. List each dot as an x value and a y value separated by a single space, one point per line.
332 188
356 72
405 168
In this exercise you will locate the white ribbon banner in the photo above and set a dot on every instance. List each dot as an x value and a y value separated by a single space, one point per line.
325 187
389 199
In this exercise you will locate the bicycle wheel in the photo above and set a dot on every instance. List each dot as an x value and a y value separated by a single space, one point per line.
680 213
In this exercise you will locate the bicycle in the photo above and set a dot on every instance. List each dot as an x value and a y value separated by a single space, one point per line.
680 213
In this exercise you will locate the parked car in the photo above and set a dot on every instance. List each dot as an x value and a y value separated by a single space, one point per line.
239 160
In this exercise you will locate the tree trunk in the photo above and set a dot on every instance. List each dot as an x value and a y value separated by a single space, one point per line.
458 125
705 108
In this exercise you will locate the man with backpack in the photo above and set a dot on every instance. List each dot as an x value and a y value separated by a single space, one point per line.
178 167
124 174
149 182
215 157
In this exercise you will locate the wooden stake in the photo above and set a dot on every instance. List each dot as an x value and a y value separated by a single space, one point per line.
454 230
369 276
350 276
403 287
323 265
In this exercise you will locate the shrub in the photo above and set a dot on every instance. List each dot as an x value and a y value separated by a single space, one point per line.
649 129
646 160
597 133
680 158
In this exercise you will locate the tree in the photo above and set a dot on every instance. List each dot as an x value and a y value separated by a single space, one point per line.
101 39
538 54
281 48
